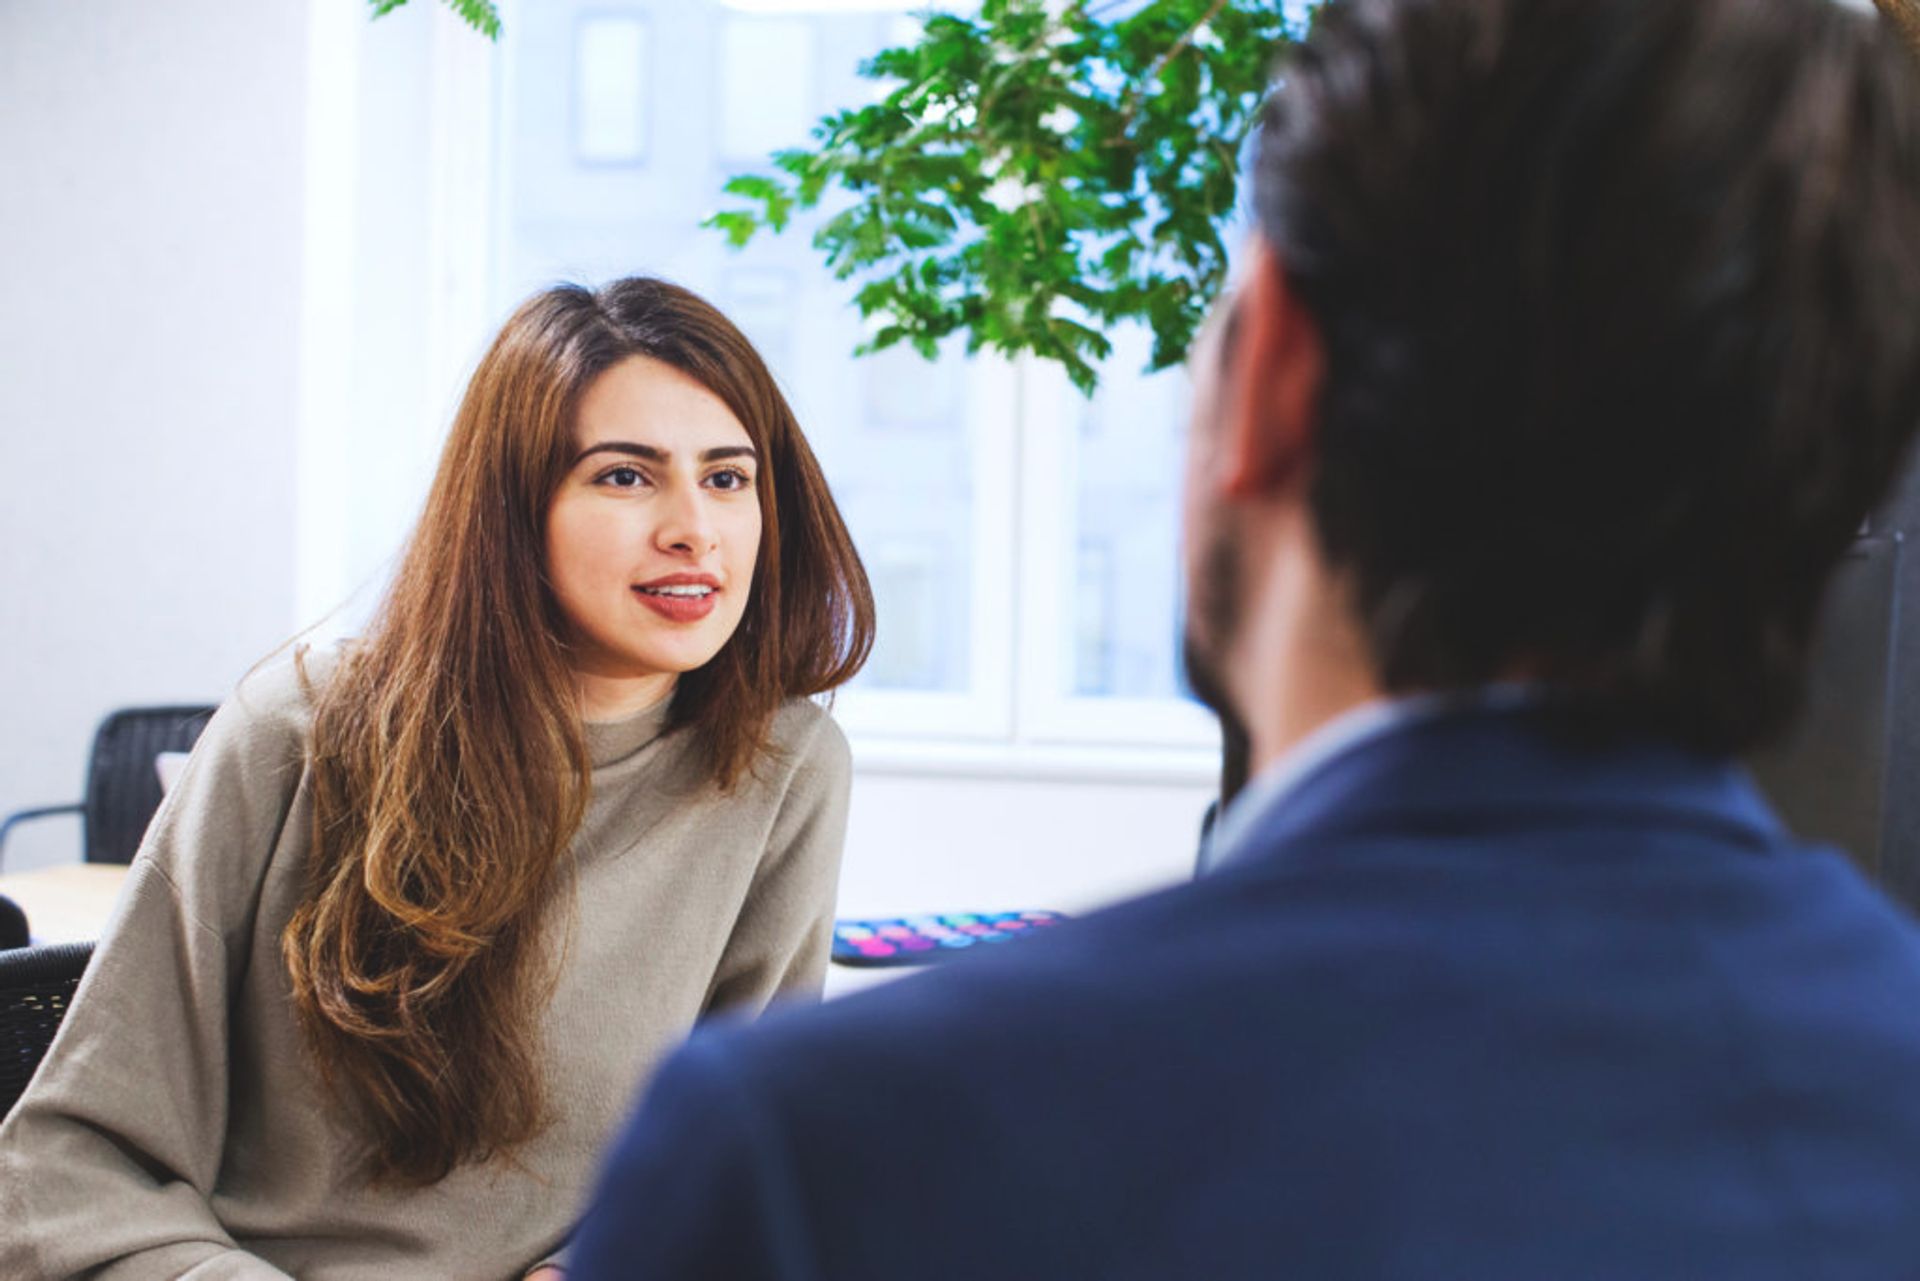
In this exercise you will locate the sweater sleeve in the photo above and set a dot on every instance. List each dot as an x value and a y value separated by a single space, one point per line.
109 1159
780 943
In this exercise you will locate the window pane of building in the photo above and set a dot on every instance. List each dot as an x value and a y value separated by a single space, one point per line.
610 90
1126 571
766 91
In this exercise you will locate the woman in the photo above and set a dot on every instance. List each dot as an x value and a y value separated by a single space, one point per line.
417 916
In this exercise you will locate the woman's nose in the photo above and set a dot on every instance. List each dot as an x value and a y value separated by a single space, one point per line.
686 525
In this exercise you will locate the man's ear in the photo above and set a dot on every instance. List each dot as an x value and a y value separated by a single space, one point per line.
1271 377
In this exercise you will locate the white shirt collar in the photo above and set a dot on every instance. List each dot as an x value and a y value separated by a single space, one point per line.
1268 790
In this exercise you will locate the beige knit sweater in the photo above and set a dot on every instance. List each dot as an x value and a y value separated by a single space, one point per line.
177 1127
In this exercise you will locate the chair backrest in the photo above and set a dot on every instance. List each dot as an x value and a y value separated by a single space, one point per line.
123 788
13 924
36 984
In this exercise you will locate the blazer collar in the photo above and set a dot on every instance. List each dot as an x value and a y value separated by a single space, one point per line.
1497 767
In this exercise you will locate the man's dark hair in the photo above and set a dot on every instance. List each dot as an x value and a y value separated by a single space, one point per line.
1621 304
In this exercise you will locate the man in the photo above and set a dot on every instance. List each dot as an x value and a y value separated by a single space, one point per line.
1577 338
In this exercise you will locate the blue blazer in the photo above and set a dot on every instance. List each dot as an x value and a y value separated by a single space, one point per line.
1470 1004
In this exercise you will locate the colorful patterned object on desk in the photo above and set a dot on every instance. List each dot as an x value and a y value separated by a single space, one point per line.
920 940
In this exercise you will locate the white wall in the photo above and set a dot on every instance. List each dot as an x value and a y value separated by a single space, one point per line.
958 844
150 260
920 843
396 242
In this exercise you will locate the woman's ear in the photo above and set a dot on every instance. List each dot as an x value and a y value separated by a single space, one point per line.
1271 376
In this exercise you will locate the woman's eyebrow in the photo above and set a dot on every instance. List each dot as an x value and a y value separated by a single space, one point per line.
654 454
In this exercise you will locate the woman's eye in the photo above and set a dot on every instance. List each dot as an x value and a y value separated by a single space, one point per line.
730 480
624 478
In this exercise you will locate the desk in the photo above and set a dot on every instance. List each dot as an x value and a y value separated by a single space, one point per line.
69 904
72 904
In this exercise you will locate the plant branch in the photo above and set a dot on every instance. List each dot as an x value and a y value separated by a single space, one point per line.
1152 73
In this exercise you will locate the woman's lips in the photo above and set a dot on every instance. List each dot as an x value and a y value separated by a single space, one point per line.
677 607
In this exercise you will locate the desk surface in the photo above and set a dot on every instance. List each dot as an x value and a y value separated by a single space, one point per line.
68 904
73 903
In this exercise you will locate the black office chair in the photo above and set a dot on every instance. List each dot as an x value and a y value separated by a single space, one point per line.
36 985
13 924
123 788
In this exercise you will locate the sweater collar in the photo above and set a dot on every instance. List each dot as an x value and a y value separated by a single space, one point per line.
609 742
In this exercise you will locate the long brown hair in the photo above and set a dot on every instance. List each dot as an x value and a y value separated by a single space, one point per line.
449 765
1905 17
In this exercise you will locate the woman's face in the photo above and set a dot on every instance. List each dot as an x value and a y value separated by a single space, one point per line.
653 534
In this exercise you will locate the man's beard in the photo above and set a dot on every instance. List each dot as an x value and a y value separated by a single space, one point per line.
1211 625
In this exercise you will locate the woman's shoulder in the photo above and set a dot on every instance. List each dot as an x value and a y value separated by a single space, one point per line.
267 719
272 705
804 731
805 751
225 820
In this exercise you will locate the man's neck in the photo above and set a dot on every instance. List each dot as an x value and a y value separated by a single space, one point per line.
1300 658
1295 703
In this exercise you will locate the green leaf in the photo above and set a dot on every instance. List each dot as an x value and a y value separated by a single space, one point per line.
737 225
482 15
752 186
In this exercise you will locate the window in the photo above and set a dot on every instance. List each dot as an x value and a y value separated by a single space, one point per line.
1021 539
610 100
766 86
